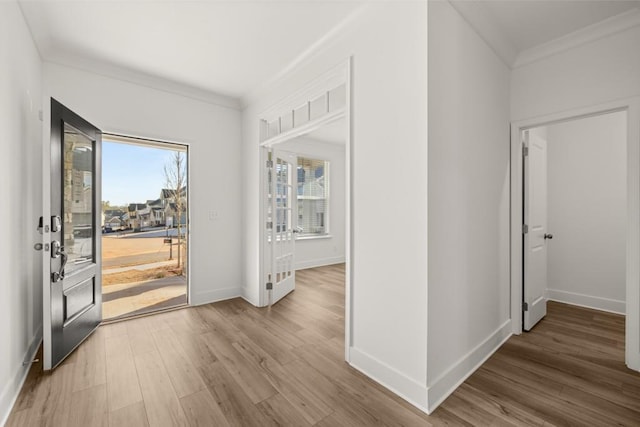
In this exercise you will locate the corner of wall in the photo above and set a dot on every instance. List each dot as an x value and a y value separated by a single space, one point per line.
407 388
11 390
443 386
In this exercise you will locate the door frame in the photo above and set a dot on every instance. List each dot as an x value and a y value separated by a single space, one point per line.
632 316
344 74
121 138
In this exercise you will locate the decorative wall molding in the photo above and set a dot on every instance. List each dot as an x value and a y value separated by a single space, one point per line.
585 35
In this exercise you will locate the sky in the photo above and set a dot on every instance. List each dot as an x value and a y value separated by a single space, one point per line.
132 173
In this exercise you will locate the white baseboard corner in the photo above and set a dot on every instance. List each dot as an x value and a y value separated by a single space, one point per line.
588 301
450 380
320 262
405 387
11 390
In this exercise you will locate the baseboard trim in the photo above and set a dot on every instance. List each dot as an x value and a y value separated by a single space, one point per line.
319 262
11 391
405 387
216 295
588 301
450 380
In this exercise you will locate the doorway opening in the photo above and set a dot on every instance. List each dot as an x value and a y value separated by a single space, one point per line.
574 212
305 200
144 226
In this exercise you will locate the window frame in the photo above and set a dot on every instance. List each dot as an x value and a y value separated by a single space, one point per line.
304 235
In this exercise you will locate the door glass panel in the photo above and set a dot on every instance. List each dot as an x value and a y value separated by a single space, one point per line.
77 199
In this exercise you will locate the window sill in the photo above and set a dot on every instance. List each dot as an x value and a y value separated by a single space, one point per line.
314 237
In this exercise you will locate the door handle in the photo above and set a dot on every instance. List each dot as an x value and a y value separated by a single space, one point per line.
57 251
548 236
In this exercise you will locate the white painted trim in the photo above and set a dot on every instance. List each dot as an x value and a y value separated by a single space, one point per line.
632 106
588 301
11 390
304 237
319 262
599 30
333 34
402 385
215 295
46 236
146 80
443 386
348 213
305 128
341 74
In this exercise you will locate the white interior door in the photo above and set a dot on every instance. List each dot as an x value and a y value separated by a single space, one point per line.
535 233
282 200
72 296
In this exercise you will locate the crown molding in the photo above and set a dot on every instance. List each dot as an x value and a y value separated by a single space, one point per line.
253 96
599 30
142 79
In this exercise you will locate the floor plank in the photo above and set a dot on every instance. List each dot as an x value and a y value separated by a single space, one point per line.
233 364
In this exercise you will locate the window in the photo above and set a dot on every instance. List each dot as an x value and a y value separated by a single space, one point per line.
313 196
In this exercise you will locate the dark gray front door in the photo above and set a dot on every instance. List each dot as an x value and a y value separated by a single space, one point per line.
75 294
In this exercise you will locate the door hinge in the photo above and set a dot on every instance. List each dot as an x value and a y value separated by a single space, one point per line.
525 306
525 151
269 286
269 164
525 228
269 225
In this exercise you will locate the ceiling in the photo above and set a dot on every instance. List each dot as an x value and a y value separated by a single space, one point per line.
513 26
231 48
228 48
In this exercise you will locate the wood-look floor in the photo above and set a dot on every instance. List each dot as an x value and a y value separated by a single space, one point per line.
231 364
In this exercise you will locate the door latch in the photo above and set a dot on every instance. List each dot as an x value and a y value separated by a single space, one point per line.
56 223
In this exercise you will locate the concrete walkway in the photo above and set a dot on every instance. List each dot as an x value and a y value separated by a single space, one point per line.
142 297
141 267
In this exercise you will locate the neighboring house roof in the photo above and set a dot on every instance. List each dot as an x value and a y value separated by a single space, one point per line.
137 206
113 213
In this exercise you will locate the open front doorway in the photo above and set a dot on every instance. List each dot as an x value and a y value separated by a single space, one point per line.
575 212
144 226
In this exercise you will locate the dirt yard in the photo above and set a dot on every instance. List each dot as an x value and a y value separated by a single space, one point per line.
117 247
120 252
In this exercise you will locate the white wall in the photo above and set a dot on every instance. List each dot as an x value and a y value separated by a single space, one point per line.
593 73
214 137
587 211
389 154
468 306
325 250
20 186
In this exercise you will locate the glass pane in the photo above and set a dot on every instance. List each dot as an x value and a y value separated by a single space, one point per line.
77 202
312 195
